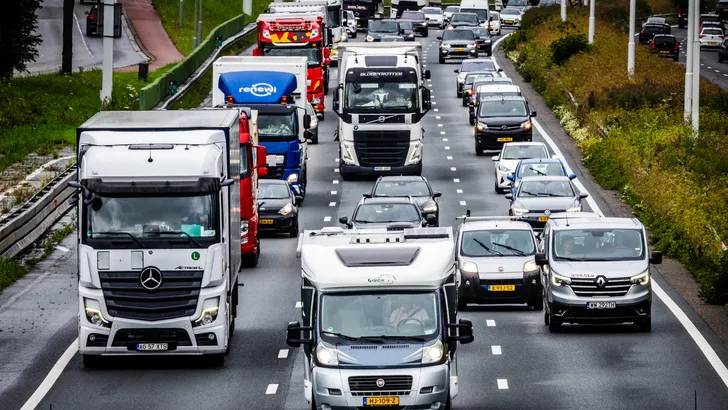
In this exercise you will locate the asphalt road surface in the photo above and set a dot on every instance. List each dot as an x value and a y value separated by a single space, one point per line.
88 52
514 362
710 68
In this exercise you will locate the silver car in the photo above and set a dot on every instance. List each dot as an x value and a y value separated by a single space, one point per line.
596 270
537 197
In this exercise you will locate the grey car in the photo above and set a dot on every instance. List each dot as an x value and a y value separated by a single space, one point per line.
393 213
537 197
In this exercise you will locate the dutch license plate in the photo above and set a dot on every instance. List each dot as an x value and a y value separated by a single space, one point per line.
502 288
382 168
713 43
152 346
543 218
509 21
381 401
505 139
266 222
459 49
601 305
664 52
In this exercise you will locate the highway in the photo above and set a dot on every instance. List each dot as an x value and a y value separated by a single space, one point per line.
710 68
88 52
514 362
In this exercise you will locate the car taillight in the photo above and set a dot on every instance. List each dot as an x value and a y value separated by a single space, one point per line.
652 45
702 35
677 46
92 17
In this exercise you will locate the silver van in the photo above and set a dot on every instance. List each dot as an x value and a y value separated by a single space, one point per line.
596 270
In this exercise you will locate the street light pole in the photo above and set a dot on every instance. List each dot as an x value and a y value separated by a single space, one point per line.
181 12
194 28
689 66
199 31
630 46
592 21
563 10
107 80
695 15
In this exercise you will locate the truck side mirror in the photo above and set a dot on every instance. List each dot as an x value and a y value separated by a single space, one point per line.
261 160
263 172
656 258
306 121
465 331
426 103
428 75
541 259
336 98
294 338
344 220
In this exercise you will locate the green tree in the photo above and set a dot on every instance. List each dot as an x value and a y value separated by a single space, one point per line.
18 42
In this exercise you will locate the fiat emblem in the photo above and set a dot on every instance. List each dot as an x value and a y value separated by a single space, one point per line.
380 383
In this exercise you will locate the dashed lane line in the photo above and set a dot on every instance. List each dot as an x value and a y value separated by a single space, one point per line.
332 203
333 192
449 158
490 322
299 305
496 350
456 180
502 384
336 181
453 169
327 219
283 354
459 191
463 203
272 389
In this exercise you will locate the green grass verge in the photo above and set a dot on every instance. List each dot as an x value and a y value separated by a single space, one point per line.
10 271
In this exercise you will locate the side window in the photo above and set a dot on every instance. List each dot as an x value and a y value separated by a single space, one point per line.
546 241
245 162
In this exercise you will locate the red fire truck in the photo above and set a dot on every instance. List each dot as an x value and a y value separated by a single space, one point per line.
252 165
301 35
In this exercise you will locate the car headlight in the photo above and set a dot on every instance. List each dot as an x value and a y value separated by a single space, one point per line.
503 168
530 266
469 267
481 126
519 211
468 92
93 313
526 125
487 41
416 155
433 353
445 45
641 279
286 210
430 208
451 28
326 355
209 312
370 38
293 178
470 45
411 35
558 280
346 154
575 209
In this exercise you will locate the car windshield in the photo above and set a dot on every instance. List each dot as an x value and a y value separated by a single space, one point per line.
276 125
313 54
402 188
502 242
386 213
599 244
494 16
517 3
431 11
380 315
405 25
273 190
713 31
480 31
413 15
549 169
524 152
661 40
502 108
510 12
464 35
383 26
468 66
529 189
714 18
452 9
464 18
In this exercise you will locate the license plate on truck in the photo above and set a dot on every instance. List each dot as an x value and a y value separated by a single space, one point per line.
601 305
502 288
152 346
382 168
381 401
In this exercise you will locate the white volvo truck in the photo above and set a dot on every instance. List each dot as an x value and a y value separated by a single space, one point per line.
381 101
379 317
158 233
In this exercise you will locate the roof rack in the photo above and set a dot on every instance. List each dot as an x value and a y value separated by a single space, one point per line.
468 217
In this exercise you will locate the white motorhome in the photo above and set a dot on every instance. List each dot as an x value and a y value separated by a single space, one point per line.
379 313
158 233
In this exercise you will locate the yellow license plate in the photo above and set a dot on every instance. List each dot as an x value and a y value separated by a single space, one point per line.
509 21
459 49
501 288
381 401
266 222
505 139
543 218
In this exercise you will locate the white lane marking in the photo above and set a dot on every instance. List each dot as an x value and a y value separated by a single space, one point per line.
689 326
437 117
490 322
436 110
717 71
496 350
453 169
299 305
327 218
50 379
502 384
283 354
336 160
725 75
447 147
434 103
272 389
333 192
332 203
62 248
442 132
78 26
439 125
449 158
444 140
459 191
456 180
336 169
336 181
463 203
709 68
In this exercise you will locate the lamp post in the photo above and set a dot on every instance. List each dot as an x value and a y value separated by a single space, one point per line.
630 46
695 16
688 104
181 12
107 81
592 20
563 10
194 28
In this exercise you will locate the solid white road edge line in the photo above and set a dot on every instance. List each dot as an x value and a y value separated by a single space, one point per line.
689 326
51 378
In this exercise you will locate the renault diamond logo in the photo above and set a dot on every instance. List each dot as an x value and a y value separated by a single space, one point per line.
505 127
151 278
601 282
380 383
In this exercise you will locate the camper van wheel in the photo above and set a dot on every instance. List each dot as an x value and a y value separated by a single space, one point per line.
554 324
537 303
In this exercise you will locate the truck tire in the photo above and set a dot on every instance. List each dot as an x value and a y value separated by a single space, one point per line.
93 361
326 87
251 261
537 303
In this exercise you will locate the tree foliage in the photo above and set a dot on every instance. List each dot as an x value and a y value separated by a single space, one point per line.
18 41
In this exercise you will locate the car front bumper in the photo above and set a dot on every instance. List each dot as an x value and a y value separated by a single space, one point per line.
414 169
492 139
566 307
278 222
476 288
453 53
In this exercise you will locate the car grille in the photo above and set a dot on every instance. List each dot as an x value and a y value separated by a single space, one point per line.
125 337
369 383
589 288
175 297
381 148
508 128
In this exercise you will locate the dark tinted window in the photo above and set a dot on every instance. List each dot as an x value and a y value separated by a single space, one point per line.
469 66
464 18
662 40
482 14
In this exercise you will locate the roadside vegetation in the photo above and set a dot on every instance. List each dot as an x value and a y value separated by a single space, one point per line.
632 132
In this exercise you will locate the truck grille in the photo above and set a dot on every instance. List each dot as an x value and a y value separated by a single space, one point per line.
381 148
369 383
125 337
612 287
387 119
176 296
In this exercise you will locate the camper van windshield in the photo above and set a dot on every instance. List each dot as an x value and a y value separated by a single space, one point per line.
277 125
313 53
380 315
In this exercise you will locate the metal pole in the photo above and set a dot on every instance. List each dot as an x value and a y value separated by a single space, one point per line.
689 67
695 15
630 46
194 28
592 21
199 31
563 10
181 12
107 81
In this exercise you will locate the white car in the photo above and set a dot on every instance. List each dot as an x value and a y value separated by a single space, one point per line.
450 10
350 19
434 17
495 25
511 154
510 17
711 37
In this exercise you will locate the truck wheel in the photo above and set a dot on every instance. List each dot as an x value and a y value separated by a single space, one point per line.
537 303
645 326
546 319
93 361
326 87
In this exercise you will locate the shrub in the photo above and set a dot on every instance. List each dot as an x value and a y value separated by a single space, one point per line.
563 48
537 15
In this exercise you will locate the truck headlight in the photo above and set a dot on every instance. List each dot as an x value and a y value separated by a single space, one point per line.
315 101
293 178
526 125
416 155
370 38
286 210
432 353
93 313
430 208
558 280
519 211
209 312
326 355
530 266
469 267
346 154
641 279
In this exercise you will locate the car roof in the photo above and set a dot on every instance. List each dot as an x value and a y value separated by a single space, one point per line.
503 98
603 222
271 181
524 143
664 35
431 8
495 224
398 178
545 178
498 87
386 200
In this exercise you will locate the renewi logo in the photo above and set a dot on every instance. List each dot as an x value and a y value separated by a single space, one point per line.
259 89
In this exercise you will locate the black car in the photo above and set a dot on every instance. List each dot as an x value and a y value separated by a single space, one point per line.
463 20
277 207
380 28
665 45
721 9
414 186
459 43
482 37
723 51
660 21
501 120
649 31
406 30
92 21
392 213
419 21
537 197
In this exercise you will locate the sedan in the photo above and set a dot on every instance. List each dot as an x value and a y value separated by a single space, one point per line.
415 186
380 28
665 45
449 11
482 37
648 32
660 21
711 37
419 21
458 43
481 64
510 17
501 120
495 25
389 213
277 207
509 157
539 197
537 167
463 20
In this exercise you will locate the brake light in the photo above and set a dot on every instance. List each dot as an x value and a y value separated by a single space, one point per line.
677 46
652 45
92 17
702 35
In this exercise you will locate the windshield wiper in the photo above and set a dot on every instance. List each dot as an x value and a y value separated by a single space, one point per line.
354 339
482 245
181 233
548 194
121 233
566 258
512 249
543 174
528 193
401 337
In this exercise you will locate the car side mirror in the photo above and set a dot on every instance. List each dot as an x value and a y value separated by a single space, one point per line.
437 195
306 121
572 176
456 71
656 258
495 158
431 219
533 113
344 220
367 194
509 196
293 337
428 75
500 70
464 331
439 38
510 178
297 200
583 195
541 259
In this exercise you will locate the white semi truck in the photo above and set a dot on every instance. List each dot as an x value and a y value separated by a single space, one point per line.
380 101
158 233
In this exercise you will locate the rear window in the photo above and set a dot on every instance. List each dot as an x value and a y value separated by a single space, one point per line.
710 18
452 9
465 18
661 40
431 11
652 29
482 14
469 66
713 31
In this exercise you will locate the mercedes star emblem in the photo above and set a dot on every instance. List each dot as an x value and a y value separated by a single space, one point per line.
505 127
151 278
601 282
547 212
381 118
380 383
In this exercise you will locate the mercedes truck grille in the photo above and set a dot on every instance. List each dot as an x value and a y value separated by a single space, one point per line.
369 383
175 297
594 287
381 148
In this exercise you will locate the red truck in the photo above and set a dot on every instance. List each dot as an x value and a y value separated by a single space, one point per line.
252 165
300 35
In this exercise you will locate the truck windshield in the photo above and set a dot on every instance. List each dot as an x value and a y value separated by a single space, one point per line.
381 96
599 244
487 243
164 217
313 53
393 315
277 126
471 18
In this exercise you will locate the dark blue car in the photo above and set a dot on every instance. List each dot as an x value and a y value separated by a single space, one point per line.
537 167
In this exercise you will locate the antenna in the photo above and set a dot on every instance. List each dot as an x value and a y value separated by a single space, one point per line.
150 154
567 219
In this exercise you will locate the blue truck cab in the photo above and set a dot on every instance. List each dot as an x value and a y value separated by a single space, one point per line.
281 122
